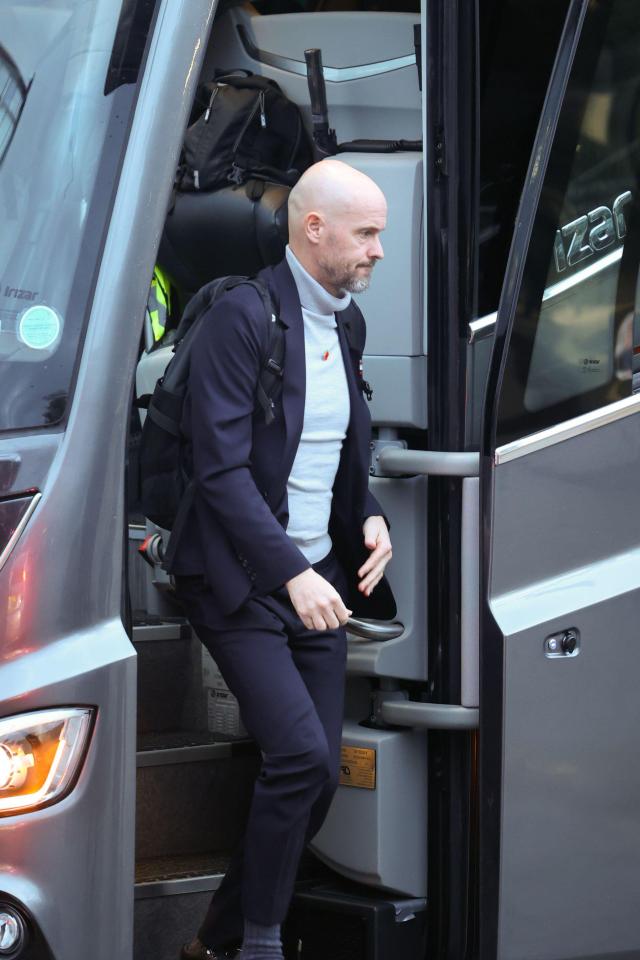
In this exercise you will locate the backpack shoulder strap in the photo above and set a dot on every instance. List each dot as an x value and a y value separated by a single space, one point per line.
354 327
273 360
355 332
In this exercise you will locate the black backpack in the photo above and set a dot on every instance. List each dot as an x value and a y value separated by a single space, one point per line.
165 489
243 127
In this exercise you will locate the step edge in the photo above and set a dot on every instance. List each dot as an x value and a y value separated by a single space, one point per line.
190 754
204 883
154 632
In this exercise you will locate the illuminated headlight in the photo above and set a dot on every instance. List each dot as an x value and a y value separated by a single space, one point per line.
40 756
13 931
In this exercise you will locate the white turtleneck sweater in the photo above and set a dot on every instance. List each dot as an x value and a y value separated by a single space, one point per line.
326 417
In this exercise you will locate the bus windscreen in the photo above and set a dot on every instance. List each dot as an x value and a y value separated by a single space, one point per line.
65 111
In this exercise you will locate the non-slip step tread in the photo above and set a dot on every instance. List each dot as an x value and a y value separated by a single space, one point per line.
181 867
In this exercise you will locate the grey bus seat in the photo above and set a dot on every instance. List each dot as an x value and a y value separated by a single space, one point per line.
236 230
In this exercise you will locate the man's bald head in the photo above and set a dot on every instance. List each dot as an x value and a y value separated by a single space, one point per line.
336 214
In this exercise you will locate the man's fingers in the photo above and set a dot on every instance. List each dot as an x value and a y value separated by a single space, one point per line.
375 575
381 552
331 619
378 560
368 590
340 610
318 604
374 584
318 622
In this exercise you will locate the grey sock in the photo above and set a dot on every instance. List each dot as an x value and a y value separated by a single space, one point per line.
261 943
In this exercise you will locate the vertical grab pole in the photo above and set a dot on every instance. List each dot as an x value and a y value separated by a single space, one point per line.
324 139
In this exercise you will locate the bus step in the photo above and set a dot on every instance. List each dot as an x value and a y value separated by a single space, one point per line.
192 873
186 803
171 898
170 691
184 746
151 629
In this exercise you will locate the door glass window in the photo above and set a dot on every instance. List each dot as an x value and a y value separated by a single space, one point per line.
68 70
572 344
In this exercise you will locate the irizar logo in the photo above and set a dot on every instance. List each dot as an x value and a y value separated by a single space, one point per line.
18 294
590 234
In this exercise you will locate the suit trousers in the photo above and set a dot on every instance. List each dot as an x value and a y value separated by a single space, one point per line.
289 682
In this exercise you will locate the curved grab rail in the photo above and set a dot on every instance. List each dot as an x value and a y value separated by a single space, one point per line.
374 629
441 463
430 716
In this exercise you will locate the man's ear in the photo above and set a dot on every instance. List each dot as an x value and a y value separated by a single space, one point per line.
314 225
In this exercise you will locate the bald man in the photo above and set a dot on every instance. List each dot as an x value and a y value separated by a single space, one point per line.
284 539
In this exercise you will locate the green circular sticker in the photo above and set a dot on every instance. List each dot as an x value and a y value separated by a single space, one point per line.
39 327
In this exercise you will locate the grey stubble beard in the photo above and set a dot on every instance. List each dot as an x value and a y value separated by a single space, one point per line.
347 282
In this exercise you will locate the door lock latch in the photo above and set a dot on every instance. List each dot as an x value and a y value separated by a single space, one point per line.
566 643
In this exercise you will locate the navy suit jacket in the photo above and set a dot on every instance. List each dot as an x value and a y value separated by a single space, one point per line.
235 533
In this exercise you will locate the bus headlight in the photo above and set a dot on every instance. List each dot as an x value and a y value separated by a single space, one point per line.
13 931
40 756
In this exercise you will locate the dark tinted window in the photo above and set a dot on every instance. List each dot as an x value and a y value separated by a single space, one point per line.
518 43
67 72
572 341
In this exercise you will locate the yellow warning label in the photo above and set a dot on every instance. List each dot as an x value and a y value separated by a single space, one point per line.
358 767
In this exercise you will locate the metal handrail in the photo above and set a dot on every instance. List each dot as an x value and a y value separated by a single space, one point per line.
374 629
429 716
439 463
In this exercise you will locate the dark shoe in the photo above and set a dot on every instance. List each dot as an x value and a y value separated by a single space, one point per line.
197 951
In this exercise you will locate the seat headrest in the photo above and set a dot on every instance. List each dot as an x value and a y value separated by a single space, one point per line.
236 230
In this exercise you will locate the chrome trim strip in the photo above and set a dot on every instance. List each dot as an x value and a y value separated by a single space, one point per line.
565 431
331 74
167 888
17 533
484 323
563 285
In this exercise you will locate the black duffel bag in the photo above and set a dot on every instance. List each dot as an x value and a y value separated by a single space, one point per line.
242 127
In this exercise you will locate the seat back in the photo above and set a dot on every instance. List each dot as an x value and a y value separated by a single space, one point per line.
228 231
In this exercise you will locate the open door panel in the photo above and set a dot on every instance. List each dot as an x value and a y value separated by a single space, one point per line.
560 714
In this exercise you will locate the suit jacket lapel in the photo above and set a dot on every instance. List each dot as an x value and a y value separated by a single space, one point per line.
294 380
354 390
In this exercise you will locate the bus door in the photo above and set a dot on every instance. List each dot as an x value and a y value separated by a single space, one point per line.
560 659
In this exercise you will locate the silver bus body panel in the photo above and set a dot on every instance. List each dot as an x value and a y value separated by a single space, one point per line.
566 554
71 864
25 461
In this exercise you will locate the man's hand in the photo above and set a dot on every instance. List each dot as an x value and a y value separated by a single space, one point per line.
316 602
376 539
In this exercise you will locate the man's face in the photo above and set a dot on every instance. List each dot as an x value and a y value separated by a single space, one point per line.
350 246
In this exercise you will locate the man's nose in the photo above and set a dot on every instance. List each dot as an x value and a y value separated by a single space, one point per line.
375 250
